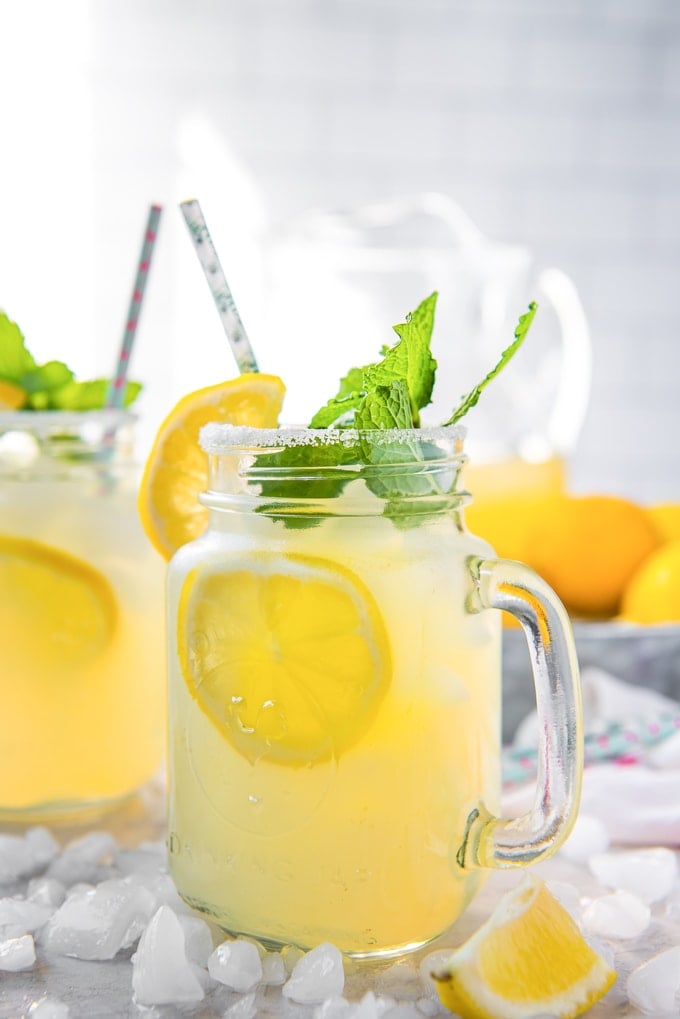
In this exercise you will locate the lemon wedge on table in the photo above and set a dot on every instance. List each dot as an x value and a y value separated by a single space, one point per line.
287 654
529 958
176 469
56 611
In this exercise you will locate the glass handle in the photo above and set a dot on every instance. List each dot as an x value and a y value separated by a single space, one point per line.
490 841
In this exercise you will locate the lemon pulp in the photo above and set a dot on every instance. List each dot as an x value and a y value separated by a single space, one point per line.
286 654
57 610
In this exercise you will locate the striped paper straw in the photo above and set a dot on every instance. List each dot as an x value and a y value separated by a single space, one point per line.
116 392
219 288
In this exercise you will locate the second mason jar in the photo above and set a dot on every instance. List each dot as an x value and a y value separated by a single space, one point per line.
82 716
334 749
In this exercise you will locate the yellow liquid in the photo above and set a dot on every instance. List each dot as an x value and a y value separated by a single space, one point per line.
359 848
508 497
85 726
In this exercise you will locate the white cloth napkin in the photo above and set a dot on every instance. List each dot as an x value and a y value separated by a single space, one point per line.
635 794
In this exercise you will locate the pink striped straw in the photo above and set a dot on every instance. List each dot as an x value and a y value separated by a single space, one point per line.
116 393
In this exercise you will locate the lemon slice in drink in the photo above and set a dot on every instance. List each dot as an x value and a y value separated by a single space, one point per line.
56 611
176 469
287 654
528 959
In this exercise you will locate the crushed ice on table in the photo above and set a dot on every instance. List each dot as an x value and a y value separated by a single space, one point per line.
617 915
17 953
49 1008
236 964
94 900
649 873
318 975
654 987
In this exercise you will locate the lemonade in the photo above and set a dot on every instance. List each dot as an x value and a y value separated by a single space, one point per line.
334 680
304 839
81 620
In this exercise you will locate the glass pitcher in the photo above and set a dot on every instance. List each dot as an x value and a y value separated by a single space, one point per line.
371 264
335 693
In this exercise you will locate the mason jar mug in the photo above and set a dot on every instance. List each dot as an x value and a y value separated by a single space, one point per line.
335 692
82 692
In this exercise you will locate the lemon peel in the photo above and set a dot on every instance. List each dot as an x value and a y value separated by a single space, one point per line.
528 958
288 655
176 469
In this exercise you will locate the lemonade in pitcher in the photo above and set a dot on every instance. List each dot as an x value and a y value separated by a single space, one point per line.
334 678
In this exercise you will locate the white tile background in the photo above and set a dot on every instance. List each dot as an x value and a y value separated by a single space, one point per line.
554 123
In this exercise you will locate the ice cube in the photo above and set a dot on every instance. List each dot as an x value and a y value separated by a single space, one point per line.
401 980
244 1008
568 897
161 972
333 1008
372 1006
273 969
429 1007
316 976
148 859
648 873
236 964
88 859
49 1008
198 939
21 916
46 891
17 954
41 845
653 987
403 1010
618 915
14 861
98 922
588 836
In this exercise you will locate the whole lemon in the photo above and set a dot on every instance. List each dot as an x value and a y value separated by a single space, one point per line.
666 518
587 547
652 594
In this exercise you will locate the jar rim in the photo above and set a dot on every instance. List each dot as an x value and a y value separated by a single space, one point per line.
43 422
216 438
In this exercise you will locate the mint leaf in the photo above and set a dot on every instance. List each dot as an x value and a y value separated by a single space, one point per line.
90 395
385 407
51 375
471 399
305 458
336 409
348 397
15 360
410 359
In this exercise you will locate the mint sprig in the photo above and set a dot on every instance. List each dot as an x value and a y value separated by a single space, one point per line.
471 399
408 363
52 385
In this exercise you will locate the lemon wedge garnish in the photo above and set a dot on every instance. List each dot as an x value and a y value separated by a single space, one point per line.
529 958
55 609
176 469
286 654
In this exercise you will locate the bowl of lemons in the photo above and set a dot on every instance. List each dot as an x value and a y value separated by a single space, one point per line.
614 563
